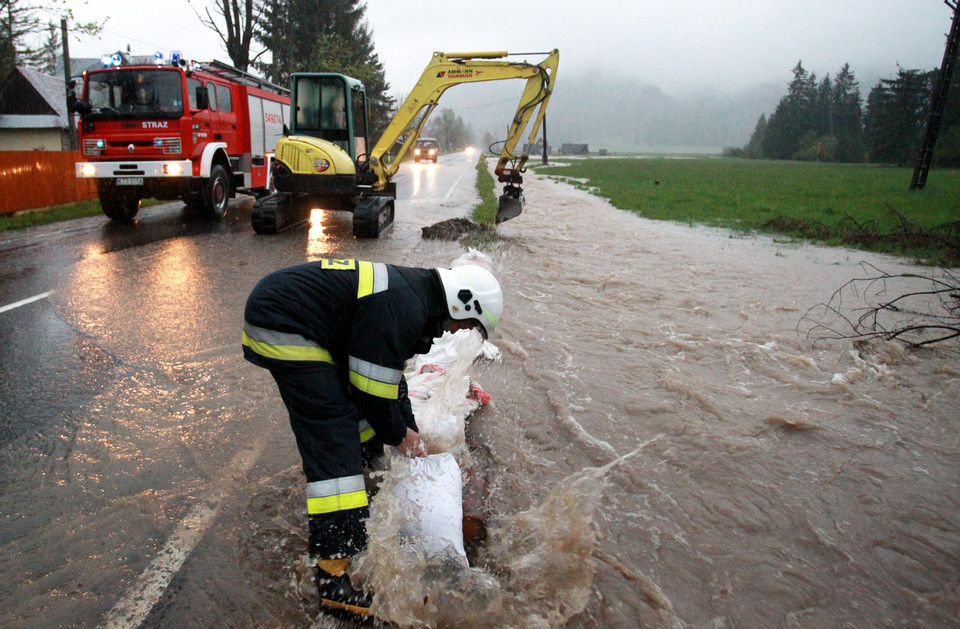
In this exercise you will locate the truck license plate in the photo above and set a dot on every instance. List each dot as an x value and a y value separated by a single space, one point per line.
129 181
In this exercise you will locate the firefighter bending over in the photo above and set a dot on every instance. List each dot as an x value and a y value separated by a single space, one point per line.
335 335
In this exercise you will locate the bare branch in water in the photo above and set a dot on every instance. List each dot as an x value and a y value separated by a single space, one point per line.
915 309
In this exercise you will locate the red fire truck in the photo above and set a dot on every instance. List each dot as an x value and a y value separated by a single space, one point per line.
173 130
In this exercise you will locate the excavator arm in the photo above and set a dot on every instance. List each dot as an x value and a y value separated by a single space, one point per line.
443 72
319 165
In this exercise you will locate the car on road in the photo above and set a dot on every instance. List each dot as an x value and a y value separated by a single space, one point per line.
425 149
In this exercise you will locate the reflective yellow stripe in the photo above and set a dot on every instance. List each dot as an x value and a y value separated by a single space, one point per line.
336 494
365 285
340 502
375 379
372 275
366 432
374 387
287 352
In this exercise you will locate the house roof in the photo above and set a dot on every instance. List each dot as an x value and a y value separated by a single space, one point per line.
78 65
31 98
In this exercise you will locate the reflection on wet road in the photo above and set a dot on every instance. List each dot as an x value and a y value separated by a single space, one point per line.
126 408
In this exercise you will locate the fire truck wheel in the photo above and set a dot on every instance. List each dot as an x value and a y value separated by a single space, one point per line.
119 207
217 192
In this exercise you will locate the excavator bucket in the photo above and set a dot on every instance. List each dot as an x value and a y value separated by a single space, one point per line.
511 203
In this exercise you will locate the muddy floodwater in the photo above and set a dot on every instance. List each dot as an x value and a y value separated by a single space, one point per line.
668 450
735 475
665 448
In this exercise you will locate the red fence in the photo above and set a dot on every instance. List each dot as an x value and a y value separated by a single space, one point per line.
35 179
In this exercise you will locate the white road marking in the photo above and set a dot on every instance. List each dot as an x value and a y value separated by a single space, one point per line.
28 300
453 187
132 609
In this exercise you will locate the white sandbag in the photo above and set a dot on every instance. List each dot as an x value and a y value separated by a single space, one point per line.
431 486
440 388
426 492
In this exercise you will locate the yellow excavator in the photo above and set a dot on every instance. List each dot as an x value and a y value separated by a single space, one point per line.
324 161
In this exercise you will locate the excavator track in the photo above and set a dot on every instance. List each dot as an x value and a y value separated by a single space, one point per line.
372 216
279 212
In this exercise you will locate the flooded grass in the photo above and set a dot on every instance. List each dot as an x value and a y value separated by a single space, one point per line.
865 206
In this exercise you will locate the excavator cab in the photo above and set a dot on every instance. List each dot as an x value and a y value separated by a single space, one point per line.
324 162
331 107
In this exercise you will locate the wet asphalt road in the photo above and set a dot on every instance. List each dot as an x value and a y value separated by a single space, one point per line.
43 374
95 480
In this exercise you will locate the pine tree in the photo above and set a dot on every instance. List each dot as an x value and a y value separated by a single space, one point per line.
847 116
896 116
293 30
754 148
18 20
325 36
793 116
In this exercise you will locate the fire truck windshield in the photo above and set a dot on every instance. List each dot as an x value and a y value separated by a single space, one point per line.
135 93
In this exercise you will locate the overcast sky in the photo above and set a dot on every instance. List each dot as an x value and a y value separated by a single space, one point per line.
674 45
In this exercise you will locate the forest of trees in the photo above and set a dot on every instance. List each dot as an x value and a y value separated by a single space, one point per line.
323 36
450 131
826 120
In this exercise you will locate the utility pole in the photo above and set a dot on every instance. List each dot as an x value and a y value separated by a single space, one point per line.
939 99
544 139
72 130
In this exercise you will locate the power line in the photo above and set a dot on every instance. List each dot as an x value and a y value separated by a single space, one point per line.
500 102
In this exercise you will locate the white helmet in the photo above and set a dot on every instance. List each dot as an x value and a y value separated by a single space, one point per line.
472 292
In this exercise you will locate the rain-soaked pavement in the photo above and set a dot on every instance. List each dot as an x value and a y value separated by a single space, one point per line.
665 448
125 418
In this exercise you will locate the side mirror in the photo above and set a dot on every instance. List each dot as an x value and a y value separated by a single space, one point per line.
74 104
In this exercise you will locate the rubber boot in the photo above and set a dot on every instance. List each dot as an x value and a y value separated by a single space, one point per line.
337 595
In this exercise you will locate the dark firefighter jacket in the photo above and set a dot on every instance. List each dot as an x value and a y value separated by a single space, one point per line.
368 318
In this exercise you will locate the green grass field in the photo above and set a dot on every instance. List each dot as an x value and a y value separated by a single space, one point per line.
863 206
49 215
57 213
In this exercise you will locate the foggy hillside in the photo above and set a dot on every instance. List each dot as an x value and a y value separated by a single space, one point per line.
622 114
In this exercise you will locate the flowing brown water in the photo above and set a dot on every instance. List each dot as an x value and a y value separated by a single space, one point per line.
668 450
